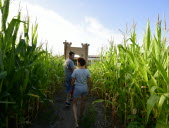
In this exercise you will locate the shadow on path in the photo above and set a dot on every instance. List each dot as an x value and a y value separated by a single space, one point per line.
57 115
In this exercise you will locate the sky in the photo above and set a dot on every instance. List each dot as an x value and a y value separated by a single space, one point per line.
95 22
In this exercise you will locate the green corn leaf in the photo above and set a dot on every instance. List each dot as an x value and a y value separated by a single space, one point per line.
108 101
161 102
5 11
26 29
147 40
148 36
162 71
121 47
98 101
16 29
134 42
152 90
39 93
166 95
3 74
0 4
21 48
158 32
131 55
161 123
33 95
1 60
153 99
11 27
11 33
34 34
153 80
157 49
7 102
26 79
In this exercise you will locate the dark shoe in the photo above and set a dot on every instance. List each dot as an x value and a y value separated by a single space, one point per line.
67 104
71 99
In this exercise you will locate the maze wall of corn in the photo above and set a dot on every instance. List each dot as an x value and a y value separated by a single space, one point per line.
131 80
29 74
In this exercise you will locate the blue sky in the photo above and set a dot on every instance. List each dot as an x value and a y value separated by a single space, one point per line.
112 13
95 20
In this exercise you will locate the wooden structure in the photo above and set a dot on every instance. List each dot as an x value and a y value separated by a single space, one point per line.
81 51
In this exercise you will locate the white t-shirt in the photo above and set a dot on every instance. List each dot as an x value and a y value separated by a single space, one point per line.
81 76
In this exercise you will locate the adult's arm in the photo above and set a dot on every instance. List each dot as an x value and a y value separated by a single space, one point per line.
73 69
73 81
72 66
73 78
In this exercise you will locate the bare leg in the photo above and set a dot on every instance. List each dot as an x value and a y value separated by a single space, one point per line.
75 110
82 105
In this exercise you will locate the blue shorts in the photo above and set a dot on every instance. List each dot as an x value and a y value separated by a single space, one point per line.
68 86
80 90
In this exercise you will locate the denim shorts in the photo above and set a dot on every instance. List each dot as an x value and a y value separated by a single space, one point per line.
80 90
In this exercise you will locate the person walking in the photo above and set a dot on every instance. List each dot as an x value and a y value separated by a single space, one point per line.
69 68
81 81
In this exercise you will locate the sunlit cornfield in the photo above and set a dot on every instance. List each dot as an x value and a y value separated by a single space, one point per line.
29 74
133 80
130 79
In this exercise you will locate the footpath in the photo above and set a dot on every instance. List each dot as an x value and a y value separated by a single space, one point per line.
57 115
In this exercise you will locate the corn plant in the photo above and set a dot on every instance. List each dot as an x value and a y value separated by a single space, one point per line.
27 72
134 79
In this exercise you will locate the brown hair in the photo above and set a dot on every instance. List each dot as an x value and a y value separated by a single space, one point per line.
71 53
81 61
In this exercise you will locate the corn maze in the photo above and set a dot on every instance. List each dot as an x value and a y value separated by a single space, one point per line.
130 80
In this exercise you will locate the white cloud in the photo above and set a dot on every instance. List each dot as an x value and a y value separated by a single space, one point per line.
56 29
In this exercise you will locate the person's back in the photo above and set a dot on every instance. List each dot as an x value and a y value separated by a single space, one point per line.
69 65
69 68
81 76
81 79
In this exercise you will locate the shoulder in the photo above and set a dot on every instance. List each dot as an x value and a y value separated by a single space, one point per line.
76 70
87 70
69 61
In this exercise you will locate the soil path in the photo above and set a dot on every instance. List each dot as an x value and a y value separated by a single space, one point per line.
57 115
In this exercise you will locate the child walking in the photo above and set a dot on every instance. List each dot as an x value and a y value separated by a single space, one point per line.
81 80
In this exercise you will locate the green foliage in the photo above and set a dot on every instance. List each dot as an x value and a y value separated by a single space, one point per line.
153 99
135 78
28 74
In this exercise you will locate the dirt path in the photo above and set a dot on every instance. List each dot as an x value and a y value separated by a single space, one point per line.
56 115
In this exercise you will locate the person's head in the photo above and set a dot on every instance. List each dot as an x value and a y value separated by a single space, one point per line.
81 61
71 55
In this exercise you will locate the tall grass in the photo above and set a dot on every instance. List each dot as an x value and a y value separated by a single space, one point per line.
133 80
28 74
